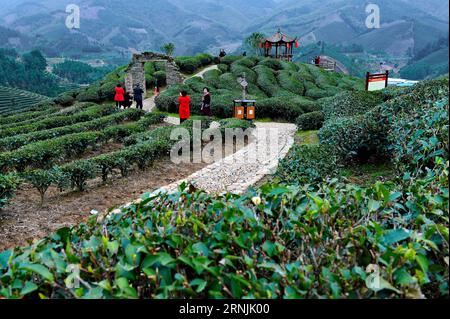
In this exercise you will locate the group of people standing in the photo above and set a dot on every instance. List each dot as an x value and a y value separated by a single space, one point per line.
125 99
184 102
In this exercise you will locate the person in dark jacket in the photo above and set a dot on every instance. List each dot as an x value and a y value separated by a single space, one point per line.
137 92
222 53
206 103
128 100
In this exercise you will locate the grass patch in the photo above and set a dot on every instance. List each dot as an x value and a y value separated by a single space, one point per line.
307 138
370 173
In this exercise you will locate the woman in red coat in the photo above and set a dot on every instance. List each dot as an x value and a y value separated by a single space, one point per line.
120 96
184 109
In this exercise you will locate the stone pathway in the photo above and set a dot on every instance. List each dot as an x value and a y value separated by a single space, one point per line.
201 73
236 173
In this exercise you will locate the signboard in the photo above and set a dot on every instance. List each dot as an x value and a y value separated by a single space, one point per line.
376 82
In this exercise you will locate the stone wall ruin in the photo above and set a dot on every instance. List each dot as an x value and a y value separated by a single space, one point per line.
135 73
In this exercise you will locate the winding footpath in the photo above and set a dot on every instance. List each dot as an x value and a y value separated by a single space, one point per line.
235 173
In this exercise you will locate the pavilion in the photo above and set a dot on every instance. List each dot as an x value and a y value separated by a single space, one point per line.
283 45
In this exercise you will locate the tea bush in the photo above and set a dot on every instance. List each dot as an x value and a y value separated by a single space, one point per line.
60 121
351 104
8 186
310 121
336 241
17 141
308 164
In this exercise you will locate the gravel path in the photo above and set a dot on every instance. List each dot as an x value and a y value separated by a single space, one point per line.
236 173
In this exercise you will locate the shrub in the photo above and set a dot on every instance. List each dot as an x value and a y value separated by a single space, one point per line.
15 142
205 59
310 121
211 78
188 65
91 94
60 121
308 164
350 104
224 68
421 136
43 179
238 70
353 138
65 99
272 64
8 185
291 82
287 108
230 59
79 172
267 80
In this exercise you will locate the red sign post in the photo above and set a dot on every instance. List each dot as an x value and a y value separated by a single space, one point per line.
376 82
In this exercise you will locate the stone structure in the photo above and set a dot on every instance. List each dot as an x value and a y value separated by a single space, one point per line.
135 73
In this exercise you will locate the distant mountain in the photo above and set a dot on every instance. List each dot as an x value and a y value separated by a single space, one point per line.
115 25
405 27
113 29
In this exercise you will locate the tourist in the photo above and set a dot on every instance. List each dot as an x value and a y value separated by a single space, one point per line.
137 92
128 100
119 97
222 53
184 106
206 103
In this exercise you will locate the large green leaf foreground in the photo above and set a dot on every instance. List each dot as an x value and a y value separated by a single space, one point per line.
278 242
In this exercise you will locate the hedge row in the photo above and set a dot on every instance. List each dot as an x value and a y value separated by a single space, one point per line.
363 136
17 141
45 154
351 104
59 121
77 108
25 116
190 65
282 90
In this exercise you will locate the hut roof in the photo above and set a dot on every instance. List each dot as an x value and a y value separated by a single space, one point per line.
280 37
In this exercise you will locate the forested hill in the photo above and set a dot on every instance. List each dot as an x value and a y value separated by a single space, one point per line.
27 71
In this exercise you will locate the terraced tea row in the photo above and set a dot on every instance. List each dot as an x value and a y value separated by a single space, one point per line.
13 100
46 153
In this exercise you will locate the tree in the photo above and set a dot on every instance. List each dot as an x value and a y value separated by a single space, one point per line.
168 48
252 43
34 60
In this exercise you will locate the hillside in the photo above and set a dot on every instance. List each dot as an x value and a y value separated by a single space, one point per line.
14 100
431 66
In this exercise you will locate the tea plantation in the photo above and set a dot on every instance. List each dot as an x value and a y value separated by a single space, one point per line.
14 100
283 90
309 233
